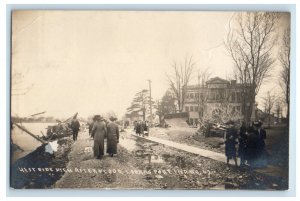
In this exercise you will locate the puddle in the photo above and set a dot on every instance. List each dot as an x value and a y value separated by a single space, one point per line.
157 159
128 144
88 149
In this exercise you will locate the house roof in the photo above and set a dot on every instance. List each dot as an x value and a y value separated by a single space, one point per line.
217 80
195 87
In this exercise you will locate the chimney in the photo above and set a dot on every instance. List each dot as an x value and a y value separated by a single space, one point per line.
233 82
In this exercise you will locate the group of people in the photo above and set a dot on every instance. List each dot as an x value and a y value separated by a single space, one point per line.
141 128
251 144
100 129
251 140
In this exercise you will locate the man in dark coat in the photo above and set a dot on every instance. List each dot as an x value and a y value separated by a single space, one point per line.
99 132
112 137
75 127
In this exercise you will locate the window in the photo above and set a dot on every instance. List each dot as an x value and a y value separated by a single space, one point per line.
238 96
238 108
191 121
187 95
187 109
191 95
233 97
192 108
196 108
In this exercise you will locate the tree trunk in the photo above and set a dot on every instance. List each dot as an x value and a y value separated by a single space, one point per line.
144 115
269 120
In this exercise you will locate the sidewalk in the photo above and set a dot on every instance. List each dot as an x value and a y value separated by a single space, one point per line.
274 171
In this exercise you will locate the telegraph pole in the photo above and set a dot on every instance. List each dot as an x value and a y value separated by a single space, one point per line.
151 121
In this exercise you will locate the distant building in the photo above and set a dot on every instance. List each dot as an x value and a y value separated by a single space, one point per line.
215 97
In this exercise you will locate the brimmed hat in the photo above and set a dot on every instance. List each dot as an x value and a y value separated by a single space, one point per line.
112 118
97 117
257 123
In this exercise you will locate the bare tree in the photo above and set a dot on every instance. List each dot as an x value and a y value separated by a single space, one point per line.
225 110
203 77
269 101
179 80
284 76
278 108
250 43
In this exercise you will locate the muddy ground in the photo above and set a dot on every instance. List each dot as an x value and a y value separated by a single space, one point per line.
277 142
141 164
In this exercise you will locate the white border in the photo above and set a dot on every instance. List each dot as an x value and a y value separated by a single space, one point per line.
4 82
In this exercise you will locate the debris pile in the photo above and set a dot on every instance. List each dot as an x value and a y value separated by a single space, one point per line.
57 131
209 129
34 170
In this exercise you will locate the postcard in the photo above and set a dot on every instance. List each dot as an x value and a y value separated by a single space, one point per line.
149 100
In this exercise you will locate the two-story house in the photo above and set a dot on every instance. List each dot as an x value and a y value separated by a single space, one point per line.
215 97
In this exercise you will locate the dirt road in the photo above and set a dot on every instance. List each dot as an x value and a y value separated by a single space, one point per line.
141 164
109 172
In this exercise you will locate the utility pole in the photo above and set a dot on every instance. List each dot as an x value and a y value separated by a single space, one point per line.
151 121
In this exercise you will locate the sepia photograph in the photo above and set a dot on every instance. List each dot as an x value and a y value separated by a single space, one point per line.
192 100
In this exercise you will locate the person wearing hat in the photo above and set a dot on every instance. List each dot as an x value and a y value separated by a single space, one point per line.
112 136
260 144
99 132
230 142
251 146
75 125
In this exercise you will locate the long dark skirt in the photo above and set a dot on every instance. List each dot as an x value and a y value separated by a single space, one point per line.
230 149
98 147
112 143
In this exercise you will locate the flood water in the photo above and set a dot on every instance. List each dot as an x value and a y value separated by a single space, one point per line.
25 141
128 140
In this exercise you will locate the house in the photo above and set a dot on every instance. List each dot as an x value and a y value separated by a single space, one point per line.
217 98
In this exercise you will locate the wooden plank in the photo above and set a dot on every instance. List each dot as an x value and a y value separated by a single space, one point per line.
31 134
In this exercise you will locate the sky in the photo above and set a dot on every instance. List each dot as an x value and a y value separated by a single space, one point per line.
92 62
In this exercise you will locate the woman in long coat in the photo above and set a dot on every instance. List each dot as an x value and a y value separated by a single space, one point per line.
99 133
251 150
230 142
112 137
242 151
